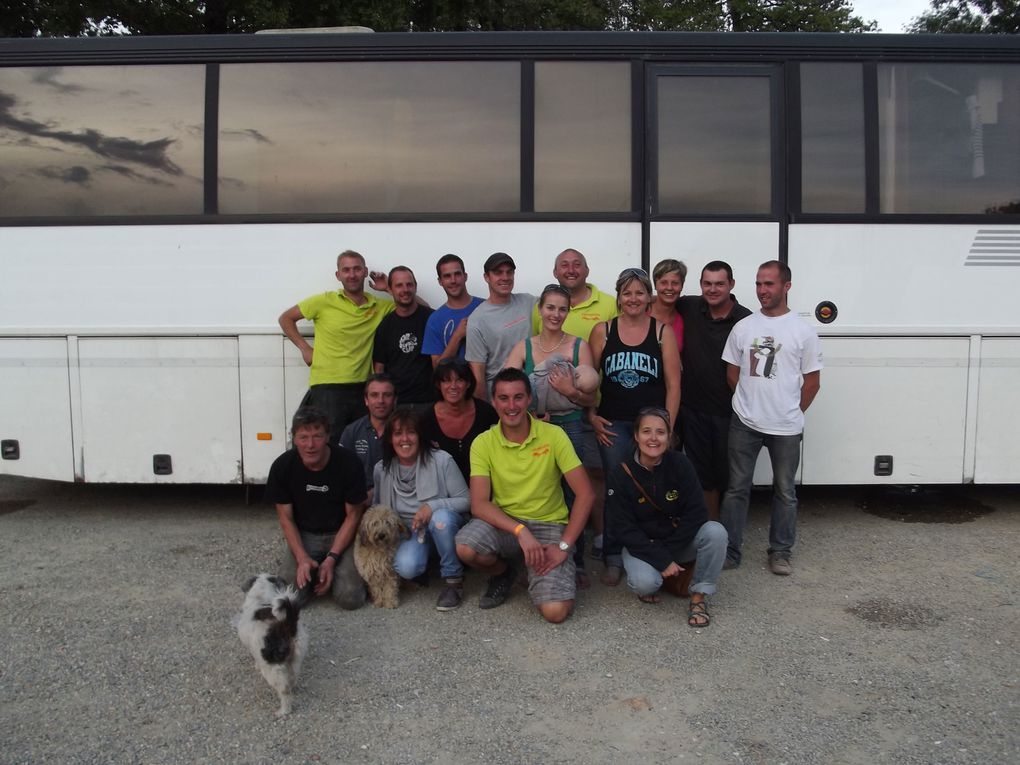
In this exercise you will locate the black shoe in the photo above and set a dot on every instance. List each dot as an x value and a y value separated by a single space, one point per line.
498 589
450 596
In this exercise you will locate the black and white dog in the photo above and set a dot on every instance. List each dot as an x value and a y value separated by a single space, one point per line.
268 625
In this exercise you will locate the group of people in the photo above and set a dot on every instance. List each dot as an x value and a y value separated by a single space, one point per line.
501 428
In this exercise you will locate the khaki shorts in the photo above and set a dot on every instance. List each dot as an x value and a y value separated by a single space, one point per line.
556 586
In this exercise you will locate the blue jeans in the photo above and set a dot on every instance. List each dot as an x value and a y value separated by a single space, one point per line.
623 447
412 557
784 453
708 547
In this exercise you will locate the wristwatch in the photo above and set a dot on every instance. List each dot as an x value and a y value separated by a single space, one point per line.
564 546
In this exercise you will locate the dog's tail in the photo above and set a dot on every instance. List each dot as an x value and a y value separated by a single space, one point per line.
286 609
277 646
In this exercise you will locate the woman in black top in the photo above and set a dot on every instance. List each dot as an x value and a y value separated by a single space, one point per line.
656 511
452 423
640 365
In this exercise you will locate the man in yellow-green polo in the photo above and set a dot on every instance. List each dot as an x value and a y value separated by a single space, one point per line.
345 322
518 506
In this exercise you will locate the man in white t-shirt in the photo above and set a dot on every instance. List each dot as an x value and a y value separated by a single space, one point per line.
774 369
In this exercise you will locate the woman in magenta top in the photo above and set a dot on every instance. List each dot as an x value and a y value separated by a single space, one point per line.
668 277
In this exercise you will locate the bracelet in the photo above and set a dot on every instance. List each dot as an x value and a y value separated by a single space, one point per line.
518 529
333 555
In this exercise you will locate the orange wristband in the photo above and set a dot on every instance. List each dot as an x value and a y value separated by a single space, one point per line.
518 529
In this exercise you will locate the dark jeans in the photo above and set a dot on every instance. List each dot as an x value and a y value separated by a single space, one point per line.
622 448
784 453
343 403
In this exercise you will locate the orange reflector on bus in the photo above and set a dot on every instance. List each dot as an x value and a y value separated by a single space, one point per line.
264 436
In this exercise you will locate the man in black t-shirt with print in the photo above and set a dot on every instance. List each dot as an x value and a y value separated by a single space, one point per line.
398 343
319 493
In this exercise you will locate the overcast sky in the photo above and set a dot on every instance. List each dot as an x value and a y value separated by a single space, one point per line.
891 15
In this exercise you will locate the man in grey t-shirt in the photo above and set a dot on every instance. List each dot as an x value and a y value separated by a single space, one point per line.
498 324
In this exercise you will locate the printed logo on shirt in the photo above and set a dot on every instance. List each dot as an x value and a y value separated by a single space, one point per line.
516 321
408 342
590 317
629 369
312 487
361 447
763 354
671 495
541 451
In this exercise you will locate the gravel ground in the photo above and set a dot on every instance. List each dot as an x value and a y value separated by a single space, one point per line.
894 641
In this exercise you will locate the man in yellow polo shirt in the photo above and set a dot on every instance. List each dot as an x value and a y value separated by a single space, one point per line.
517 503
588 304
345 323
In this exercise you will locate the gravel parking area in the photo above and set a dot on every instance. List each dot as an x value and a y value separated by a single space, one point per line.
895 641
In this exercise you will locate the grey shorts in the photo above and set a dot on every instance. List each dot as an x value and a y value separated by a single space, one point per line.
558 585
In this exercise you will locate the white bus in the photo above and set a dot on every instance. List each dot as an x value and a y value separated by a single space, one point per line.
162 200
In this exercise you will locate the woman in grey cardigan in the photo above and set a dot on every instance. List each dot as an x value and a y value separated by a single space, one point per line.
426 489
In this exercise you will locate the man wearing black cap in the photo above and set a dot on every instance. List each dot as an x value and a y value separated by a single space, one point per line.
498 324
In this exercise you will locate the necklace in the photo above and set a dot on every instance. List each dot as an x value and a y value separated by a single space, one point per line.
563 336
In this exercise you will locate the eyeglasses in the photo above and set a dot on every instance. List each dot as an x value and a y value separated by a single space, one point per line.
634 272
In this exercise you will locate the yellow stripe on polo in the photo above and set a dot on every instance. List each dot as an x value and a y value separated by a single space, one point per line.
526 477
344 333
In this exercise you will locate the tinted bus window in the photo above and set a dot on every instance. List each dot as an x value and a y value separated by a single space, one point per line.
582 137
102 140
715 145
947 138
383 137
832 138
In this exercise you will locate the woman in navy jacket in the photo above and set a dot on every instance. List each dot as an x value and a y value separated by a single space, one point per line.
656 509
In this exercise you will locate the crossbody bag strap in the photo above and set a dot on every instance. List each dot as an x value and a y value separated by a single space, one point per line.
626 469
649 500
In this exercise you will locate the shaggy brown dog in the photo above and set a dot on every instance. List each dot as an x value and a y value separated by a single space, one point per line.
378 536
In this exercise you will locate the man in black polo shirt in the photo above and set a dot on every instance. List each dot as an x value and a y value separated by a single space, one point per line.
319 493
705 394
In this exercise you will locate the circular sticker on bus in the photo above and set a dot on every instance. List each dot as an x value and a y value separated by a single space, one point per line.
826 312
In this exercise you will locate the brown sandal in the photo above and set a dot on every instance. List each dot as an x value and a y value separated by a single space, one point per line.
697 614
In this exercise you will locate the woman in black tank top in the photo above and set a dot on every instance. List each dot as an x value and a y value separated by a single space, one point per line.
640 366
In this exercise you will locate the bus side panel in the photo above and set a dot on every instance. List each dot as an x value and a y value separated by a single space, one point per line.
901 397
174 396
35 407
904 279
263 412
998 418
743 245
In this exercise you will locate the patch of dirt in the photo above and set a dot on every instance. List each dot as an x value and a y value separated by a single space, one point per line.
889 613
922 505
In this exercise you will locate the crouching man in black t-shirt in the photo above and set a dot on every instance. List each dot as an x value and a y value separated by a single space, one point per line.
319 493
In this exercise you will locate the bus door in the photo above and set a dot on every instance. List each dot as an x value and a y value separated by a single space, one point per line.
714 173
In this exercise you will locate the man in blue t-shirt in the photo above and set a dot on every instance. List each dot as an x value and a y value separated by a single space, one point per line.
447 326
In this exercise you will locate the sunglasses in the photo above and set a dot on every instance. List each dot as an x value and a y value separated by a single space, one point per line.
633 272
556 288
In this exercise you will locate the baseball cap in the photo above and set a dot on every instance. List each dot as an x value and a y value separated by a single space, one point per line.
497 259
